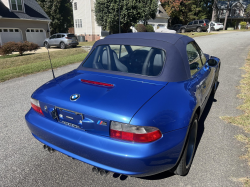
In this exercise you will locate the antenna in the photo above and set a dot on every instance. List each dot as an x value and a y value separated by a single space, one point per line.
51 64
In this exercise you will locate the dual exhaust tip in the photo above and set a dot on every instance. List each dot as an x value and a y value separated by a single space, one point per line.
95 170
47 148
100 171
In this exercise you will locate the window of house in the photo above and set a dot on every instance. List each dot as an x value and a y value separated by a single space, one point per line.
11 30
16 30
27 30
76 23
41 30
1 30
32 30
37 30
5 30
17 5
75 5
80 23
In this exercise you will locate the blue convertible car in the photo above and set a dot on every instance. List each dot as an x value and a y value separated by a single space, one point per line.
132 106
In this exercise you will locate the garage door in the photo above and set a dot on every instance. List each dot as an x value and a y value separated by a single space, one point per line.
10 35
36 36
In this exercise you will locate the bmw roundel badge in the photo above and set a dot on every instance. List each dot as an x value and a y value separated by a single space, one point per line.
74 97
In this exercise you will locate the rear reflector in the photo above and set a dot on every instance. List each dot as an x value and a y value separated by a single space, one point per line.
97 83
36 106
141 134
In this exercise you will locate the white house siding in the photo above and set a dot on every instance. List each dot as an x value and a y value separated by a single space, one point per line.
6 3
158 22
85 12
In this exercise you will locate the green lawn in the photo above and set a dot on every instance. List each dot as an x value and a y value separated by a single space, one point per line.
86 43
17 66
197 34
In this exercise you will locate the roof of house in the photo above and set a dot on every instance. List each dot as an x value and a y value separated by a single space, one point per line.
33 11
162 13
223 4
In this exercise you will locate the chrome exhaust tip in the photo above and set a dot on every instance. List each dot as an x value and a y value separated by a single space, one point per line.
104 173
95 170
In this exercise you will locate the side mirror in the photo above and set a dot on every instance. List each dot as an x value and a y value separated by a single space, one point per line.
194 66
212 62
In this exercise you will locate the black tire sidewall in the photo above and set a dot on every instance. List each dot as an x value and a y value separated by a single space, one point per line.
182 168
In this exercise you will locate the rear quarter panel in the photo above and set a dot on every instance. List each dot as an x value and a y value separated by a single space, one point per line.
170 109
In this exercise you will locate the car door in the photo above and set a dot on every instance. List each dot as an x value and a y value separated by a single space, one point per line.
197 72
51 40
209 73
189 26
195 24
57 40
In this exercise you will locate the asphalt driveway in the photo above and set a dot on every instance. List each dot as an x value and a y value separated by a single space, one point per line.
23 162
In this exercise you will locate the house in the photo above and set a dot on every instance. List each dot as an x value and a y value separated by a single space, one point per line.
23 20
236 14
85 23
161 19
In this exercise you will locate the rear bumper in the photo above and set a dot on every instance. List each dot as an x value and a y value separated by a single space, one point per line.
73 43
135 159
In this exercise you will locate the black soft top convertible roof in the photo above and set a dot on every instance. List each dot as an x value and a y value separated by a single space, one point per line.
176 67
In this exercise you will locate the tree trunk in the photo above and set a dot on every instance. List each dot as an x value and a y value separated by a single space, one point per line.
214 15
225 22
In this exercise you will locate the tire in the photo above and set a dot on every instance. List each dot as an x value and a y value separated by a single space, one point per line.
182 30
73 46
215 85
188 153
198 29
62 45
212 29
46 45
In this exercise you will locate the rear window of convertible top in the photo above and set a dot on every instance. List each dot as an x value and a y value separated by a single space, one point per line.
126 58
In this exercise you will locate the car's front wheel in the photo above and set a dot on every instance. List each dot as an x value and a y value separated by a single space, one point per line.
62 45
188 153
46 45
215 85
198 29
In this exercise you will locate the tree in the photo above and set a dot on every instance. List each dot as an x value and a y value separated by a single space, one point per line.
132 11
60 12
188 10
248 11
228 7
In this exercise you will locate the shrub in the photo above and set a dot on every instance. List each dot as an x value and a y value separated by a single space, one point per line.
7 48
150 28
140 28
20 47
243 24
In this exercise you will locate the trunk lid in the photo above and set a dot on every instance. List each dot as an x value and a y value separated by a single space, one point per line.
98 105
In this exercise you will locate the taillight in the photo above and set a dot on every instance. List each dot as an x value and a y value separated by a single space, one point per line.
68 37
205 24
141 134
36 106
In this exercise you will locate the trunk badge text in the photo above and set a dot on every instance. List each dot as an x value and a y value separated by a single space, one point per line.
74 97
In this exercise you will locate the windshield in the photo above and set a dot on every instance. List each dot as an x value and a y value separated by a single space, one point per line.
125 58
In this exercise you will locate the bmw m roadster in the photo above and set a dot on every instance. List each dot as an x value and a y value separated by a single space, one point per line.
132 106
